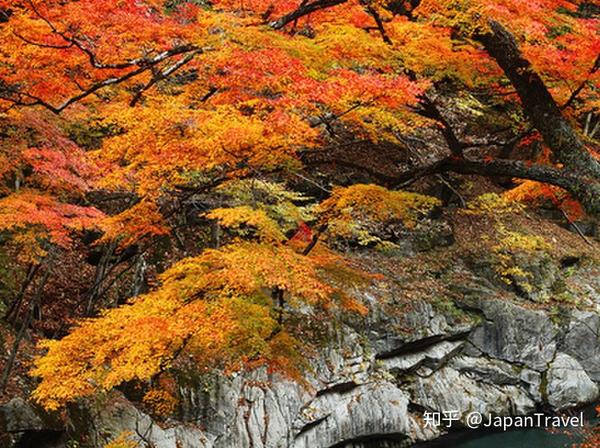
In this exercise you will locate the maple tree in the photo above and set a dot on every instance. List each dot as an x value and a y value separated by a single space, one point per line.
160 103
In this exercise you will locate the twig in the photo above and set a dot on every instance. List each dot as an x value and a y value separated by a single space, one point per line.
303 10
315 183
24 326
576 227
162 75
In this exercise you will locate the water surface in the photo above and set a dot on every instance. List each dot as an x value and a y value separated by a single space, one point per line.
527 438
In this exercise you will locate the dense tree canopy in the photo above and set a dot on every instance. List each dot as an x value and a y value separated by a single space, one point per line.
117 115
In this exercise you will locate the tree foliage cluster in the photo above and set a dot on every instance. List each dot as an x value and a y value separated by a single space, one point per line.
124 121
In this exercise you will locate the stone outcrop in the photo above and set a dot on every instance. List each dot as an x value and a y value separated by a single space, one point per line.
568 383
21 421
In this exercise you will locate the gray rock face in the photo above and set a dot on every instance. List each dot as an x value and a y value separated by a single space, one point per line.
500 373
431 357
538 275
121 417
568 383
378 408
582 341
541 275
18 415
514 334
449 390
369 388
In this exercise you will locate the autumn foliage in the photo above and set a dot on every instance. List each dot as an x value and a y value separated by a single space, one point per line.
124 122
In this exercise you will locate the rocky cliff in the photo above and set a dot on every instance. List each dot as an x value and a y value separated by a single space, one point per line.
442 334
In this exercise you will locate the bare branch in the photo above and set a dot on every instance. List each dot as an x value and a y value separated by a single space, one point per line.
43 45
582 86
17 97
303 10
430 110
162 75
378 21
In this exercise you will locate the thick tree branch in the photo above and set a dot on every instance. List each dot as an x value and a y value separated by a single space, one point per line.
162 75
538 104
581 86
304 10
27 100
583 189
430 110
378 21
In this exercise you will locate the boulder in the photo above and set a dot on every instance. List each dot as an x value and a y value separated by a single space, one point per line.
582 341
513 333
448 390
568 384
371 410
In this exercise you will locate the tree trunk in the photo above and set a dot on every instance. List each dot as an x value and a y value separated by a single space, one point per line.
538 104
35 301
582 170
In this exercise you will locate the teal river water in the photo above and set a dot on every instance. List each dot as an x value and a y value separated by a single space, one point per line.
530 438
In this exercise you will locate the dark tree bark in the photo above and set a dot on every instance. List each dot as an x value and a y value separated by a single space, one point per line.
305 9
580 187
586 191
538 103
580 168
35 302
